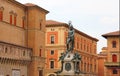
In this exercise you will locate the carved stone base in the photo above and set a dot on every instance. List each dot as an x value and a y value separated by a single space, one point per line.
69 66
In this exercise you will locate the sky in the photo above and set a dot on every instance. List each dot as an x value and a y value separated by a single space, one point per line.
93 17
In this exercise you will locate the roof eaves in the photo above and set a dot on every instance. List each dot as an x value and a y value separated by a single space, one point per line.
56 25
16 2
46 11
66 25
105 36
111 34
86 35
39 8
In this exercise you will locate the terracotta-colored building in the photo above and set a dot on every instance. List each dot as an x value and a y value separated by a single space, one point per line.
22 39
102 56
56 35
111 62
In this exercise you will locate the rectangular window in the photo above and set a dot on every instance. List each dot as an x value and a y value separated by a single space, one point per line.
114 71
95 68
81 66
10 19
84 47
40 72
14 20
84 66
52 52
52 39
77 45
23 53
23 23
114 58
87 49
1 15
81 46
90 48
52 64
114 44
90 67
40 25
40 52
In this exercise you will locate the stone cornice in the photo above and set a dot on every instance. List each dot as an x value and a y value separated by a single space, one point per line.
14 45
67 26
16 3
39 8
14 52
14 61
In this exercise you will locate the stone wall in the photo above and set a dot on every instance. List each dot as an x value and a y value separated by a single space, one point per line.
14 58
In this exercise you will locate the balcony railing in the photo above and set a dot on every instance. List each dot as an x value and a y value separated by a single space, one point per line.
14 52
112 64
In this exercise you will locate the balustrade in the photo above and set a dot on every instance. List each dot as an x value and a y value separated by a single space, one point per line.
14 52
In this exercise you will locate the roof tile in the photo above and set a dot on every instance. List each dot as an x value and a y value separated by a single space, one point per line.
115 33
52 22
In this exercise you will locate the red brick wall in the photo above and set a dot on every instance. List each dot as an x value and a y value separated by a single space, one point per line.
54 57
49 36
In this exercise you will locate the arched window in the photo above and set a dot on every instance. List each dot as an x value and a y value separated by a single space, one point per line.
10 18
15 18
114 44
1 15
114 58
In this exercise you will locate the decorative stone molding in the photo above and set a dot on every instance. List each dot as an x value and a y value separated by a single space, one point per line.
11 12
13 54
1 8
15 14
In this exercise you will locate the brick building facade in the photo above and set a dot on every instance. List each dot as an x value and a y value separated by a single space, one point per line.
56 35
22 39
111 62
31 46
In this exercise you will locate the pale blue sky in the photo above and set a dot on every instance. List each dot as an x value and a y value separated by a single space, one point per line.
93 17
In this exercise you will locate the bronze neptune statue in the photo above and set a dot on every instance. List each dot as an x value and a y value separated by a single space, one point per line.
70 39
69 60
